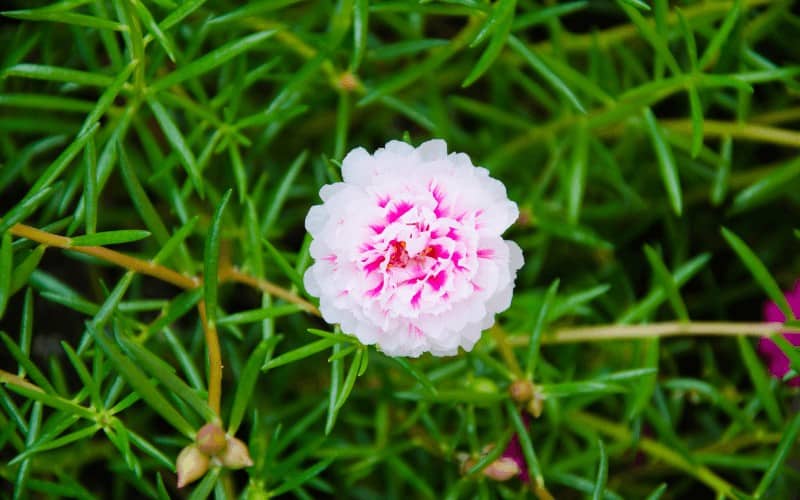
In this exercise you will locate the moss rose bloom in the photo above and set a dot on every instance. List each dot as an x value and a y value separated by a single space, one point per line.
776 360
408 249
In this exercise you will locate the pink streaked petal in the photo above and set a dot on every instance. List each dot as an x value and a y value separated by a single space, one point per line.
438 280
398 211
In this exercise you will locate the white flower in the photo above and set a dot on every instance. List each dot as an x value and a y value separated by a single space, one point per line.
408 249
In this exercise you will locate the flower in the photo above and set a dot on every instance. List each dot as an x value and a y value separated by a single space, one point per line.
408 249
514 453
777 361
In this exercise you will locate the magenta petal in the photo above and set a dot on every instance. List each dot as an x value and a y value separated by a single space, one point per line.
514 452
776 360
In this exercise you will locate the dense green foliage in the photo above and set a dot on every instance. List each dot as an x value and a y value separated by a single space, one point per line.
651 147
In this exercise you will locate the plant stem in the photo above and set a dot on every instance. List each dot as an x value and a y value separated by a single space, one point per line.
214 359
736 130
234 274
227 273
666 329
131 263
654 449
157 270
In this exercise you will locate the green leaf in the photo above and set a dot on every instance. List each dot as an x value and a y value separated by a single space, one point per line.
404 78
782 451
282 191
25 363
760 380
109 95
299 353
140 200
658 42
541 68
261 314
577 174
83 374
644 389
137 379
175 240
569 389
90 190
46 14
165 374
666 162
204 487
653 299
543 15
658 492
109 238
350 380
6 260
177 141
23 271
768 187
147 18
245 385
418 375
52 400
211 259
602 472
720 184
79 435
62 161
696 109
720 36
175 310
538 328
360 33
639 4
54 73
298 480
534 470
759 272
499 25
284 265
210 60
667 282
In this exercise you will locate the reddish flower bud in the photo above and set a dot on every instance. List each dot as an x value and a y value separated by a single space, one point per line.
211 439
521 391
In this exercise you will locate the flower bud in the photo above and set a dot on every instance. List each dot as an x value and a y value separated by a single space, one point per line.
502 469
535 406
236 455
211 439
191 465
521 391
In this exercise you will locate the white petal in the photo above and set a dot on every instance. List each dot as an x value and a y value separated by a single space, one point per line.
435 149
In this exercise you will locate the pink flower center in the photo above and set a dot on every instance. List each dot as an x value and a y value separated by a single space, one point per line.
419 255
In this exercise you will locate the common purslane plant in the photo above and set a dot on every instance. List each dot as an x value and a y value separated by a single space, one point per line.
246 250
